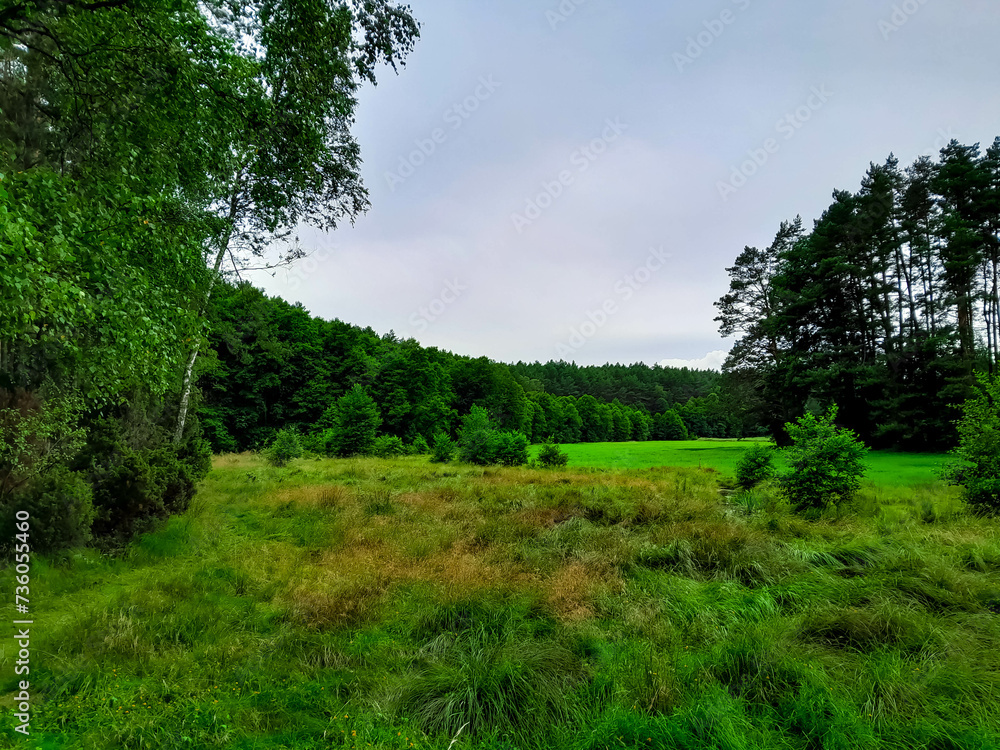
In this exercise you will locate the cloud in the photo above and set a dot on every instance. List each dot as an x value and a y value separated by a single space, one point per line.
711 361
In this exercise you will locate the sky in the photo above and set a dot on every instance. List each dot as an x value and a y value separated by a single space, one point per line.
568 180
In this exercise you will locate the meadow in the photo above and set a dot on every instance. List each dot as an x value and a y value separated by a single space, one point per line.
367 603
885 468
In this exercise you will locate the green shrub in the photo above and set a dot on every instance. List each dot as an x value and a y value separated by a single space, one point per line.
388 446
550 456
137 480
354 421
60 508
479 442
756 465
286 446
826 463
978 451
419 446
474 437
507 448
443 448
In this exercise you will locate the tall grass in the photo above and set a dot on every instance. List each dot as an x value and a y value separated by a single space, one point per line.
394 604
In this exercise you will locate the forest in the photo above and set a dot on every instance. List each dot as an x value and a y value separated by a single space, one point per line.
887 307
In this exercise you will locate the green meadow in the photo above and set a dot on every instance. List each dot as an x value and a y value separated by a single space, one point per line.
885 468
367 603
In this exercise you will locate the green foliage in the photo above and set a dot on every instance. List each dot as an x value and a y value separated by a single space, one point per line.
550 456
756 465
135 486
388 446
355 423
480 442
507 448
669 426
442 449
61 510
979 449
826 463
285 447
36 435
419 446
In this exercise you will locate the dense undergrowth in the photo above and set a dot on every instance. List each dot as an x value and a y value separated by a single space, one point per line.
402 604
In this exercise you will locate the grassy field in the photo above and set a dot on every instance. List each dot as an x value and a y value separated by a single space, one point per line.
399 604
885 468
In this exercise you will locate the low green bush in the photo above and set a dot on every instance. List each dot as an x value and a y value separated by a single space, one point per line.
286 447
388 446
60 510
443 448
756 465
827 463
550 456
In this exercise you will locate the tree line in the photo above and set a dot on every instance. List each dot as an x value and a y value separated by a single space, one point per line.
887 307
270 365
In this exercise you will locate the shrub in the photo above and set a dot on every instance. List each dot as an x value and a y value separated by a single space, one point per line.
979 449
388 446
443 448
756 465
286 446
826 463
419 446
550 456
61 509
474 437
507 448
354 420
479 442
134 486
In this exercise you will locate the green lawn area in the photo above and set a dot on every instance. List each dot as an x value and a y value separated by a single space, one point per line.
885 468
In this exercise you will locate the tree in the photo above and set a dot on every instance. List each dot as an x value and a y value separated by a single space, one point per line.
826 463
355 422
756 465
978 468
669 426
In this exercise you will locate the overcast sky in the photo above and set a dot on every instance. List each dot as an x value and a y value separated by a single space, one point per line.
570 180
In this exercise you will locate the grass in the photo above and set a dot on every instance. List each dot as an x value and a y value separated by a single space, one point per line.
401 604
885 468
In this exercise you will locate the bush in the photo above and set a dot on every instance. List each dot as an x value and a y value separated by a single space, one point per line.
419 446
354 420
826 463
388 446
507 448
756 465
479 442
61 509
138 478
979 450
443 448
286 446
550 456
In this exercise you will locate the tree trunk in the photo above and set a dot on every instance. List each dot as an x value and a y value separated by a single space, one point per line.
196 338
